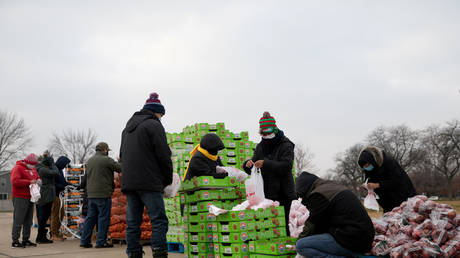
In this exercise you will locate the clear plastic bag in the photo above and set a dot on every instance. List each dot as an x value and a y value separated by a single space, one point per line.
233 172
255 187
171 190
370 201
34 192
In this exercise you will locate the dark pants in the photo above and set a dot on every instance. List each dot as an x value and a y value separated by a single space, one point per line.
43 214
154 203
322 245
22 218
98 211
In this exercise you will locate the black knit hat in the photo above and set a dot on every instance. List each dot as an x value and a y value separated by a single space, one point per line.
212 143
303 183
365 158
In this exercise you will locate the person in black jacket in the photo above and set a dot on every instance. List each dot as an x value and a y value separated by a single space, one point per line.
338 225
57 211
146 170
386 177
205 158
274 155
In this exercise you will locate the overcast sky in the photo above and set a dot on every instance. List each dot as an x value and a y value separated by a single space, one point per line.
328 71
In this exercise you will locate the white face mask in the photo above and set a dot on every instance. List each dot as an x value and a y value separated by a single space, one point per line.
30 166
268 136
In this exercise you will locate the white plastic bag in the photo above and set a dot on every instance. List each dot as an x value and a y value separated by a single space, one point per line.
370 201
171 190
233 172
255 187
34 192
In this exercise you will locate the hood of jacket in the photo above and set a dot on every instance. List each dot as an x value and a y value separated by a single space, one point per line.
372 155
304 184
138 118
212 143
62 162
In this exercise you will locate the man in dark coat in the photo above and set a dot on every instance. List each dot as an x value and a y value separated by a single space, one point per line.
338 225
205 158
57 210
48 173
274 155
147 170
386 177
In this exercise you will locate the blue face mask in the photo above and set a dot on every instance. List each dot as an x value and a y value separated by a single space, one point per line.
369 168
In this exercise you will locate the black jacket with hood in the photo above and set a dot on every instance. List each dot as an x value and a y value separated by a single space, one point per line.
200 165
335 210
145 154
278 156
61 183
395 185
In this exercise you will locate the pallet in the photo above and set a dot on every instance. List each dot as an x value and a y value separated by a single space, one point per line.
175 247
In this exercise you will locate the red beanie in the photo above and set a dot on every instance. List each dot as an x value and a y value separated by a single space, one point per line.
31 159
267 123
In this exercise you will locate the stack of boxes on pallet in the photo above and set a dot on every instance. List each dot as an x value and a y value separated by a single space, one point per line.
73 199
245 233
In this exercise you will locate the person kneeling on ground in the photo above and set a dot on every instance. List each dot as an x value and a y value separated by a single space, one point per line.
205 159
338 225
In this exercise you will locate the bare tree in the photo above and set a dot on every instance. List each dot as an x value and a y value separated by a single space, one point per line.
303 160
443 152
14 138
77 145
401 142
347 170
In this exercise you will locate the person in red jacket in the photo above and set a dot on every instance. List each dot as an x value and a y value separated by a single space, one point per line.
23 175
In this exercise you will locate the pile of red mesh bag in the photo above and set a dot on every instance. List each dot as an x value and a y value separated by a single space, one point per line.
418 228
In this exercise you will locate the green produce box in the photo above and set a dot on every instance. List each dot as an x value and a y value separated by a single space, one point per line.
234 237
224 255
200 237
207 182
201 247
279 246
227 135
204 206
229 144
201 126
275 233
272 256
232 160
236 226
212 127
198 227
274 222
244 135
271 212
231 248
231 153
177 145
198 217
223 152
236 216
212 194
200 255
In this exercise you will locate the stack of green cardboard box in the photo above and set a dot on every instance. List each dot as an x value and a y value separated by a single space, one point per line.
237 150
235 233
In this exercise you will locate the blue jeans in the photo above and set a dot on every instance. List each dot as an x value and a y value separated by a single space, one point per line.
154 203
98 211
322 245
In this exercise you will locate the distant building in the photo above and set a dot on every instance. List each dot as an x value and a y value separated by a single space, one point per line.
5 191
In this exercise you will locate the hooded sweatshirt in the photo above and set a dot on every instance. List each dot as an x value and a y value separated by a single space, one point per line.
145 154
20 177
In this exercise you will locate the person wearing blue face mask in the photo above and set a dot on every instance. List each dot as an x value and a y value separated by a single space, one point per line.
386 177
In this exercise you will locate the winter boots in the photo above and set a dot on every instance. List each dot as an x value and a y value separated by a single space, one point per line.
41 237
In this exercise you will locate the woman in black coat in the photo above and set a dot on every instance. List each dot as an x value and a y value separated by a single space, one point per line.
274 155
386 177
205 159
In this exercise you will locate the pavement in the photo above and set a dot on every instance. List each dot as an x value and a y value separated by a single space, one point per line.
63 249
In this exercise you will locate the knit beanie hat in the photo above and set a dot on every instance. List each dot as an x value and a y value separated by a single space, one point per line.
267 124
153 103
31 159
